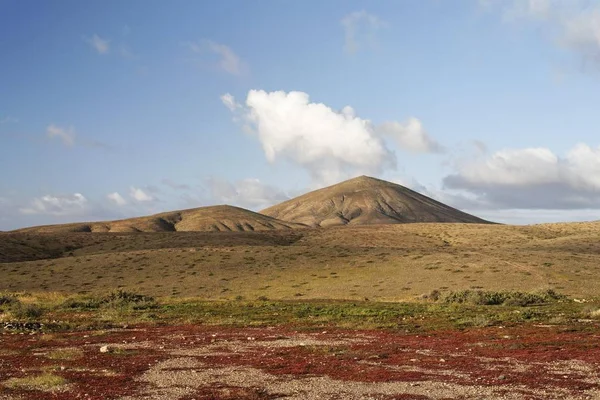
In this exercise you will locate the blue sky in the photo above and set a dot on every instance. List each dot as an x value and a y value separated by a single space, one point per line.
112 109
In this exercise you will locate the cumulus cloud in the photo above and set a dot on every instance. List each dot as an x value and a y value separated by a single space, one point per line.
66 135
411 136
532 178
116 198
248 193
360 30
140 195
330 145
102 46
228 60
67 205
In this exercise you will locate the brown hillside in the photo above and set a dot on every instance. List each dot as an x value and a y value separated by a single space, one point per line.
392 262
203 219
365 201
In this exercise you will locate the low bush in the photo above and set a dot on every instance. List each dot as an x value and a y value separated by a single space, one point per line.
508 298
115 299
7 299
126 298
86 303
26 311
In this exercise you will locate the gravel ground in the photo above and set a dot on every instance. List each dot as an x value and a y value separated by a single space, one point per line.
199 362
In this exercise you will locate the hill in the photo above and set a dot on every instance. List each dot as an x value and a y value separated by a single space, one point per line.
204 219
366 201
380 262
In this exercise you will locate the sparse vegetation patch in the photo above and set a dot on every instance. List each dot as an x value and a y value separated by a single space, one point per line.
508 298
46 382
115 299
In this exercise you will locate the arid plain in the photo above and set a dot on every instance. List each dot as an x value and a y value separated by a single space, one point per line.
363 290
383 262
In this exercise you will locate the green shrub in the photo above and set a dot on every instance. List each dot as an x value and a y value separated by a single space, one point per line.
8 299
433 295
116 299
123 298
86 303
508 298
26 311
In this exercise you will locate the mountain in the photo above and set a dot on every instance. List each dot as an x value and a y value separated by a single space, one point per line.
358 201
214 218
365 201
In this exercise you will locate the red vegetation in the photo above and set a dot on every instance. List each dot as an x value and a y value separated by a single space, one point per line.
535 357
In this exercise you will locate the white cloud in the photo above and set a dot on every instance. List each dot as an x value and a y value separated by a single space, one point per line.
360 29
574 24
69 138
66 135
229 102
582 33
228 61
518 167
116 198
411 136
526 9
533 178
68 205
102 46
247 193
139 195
330 145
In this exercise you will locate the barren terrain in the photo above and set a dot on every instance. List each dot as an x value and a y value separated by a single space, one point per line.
222 218
204 362
366 201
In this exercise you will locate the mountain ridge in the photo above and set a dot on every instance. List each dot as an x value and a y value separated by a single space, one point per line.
202 219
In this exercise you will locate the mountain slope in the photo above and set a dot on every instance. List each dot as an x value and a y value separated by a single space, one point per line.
365 201
214 218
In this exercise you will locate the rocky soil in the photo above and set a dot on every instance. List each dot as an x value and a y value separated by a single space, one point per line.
208 362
